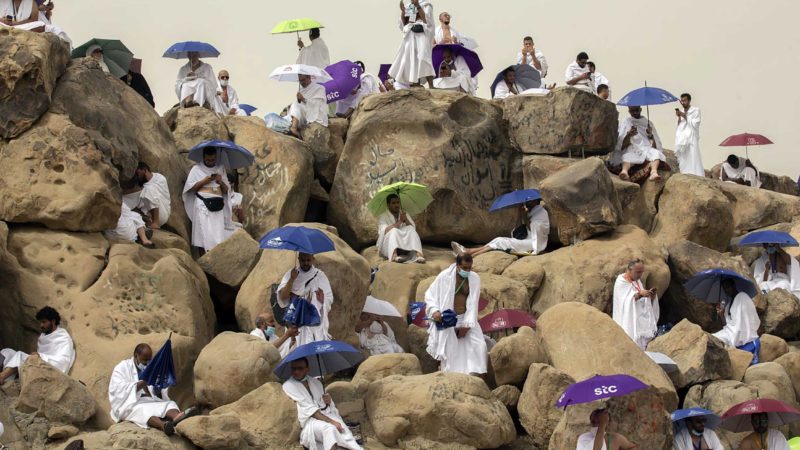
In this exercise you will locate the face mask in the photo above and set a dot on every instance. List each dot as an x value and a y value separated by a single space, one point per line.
141 366
376 328
223 83
463 273
771 250
697 433
270 331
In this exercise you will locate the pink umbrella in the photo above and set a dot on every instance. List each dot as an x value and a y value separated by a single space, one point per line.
745 140
737 418
506 319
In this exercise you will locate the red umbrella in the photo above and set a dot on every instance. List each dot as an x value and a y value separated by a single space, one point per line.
737 419
745 140
506 319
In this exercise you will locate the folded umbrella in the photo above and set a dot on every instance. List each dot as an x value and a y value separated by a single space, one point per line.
230 155
515 198
506 319
301 313
527 77
759 238
599 387
380 308
160 371
707 285
298 239
712 420
346 77
115 54
181 50
470 57
248 109
414 198
292 72
737 418
417 312
324 357
745 140
383 73
449 320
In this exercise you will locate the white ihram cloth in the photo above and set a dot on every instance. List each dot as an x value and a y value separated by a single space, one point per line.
741 322
208 228
640 150
317 434
306 285
777 280
155 195
233 100
586 440
315 54
368 85
574 70
23 13
373 340
202 86
502 90
439 38
403 238
638 318
687 143
743 172
131 404
314 108
55 349
540 57
461 75
535 242
50 28
468 354
598 79
414 60
683 438
284 349
127 224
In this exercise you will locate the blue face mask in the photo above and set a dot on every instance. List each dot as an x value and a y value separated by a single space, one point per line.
463 273
772 250
270 331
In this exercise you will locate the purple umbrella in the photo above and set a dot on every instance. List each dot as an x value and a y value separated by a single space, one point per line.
471 58
599 387
346 77
383 73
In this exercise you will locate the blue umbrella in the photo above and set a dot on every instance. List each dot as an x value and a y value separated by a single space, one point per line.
707 285
758 238
647 96
181 50
299 239
449 320
527 77
323 357
301 313
247 108
712 420
160 371
230 155
515 198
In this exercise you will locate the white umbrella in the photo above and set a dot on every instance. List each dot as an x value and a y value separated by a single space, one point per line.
664 361
292 71
380 307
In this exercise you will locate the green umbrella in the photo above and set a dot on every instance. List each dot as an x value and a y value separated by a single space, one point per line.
296 26
116 56
414 198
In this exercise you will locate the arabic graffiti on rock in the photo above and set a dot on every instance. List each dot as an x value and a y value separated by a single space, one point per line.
480 165
259 185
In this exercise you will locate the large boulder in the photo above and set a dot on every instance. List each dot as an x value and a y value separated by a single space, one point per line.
639 203
191 126
441 407
127 435
492 262
512 356
232 260
700 356
758 208
543 387
347 271
791 364
770 182
566 119
535 168
30 64
50 393
217 432
327 144
782 315
772 348
276 188
719 396
455 144
771 381
232 365
381 366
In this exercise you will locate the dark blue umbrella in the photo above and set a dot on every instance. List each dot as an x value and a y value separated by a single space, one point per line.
449 320
383 73
323 357
346 77
707 285
298 239
758 238
515 198
527 77
160 371
247 108
647 96
231 155
471 58
712 420
301 313
181 50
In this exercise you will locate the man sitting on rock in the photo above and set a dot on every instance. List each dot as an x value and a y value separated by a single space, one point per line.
322 426
635 308
763 437
692 434
741 320
368 84
228 96
601 439
154 199
376 336
455 338
398 240
776 269
132 400
22 14
637 143
603 92
310 283
266 328
206 198
311 106
578 74
196 85
537 229
508 86
130 226
740 171
54 347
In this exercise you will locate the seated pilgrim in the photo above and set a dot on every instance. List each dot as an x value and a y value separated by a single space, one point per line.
310 106
638 143
739 170
741 320
776 269
23 15
197 85
54 347
398 240
533 240
376 336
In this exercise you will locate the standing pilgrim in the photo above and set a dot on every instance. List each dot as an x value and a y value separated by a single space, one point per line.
206 197
414 60
54 347
687 138
398 240
310 283
636 308
196 85
316 54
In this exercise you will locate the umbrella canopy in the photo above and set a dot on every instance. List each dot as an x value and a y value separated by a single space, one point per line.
299 239
417 311
745 140
230 155
380 307
794 443
759 238
346 77
115 54
707 285
383 73
292 72
160 371
181 50
527 77
471 58
515 198
296 26
712 420
323 357
737 418
506 319
301 313
647 96
599 387
248 109
665 362
414 198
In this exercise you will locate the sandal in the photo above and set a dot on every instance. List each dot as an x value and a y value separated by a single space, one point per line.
457 248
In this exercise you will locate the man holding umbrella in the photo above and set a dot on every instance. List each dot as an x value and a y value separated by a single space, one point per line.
693 429
206 197
316 54
197 85
601 439
638 143
776 269
310 106
741 317
763 437
310 283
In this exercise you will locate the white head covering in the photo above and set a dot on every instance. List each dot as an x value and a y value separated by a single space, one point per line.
91 49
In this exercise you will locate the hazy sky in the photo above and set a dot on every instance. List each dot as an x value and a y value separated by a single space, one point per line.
738 58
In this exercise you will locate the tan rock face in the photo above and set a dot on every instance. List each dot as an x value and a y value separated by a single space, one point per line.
417 344
191 126
327 144
30 64
772 381
465 160
129 435
782 317
740 361
441 407
381 366
758 208
791 364
493 262
508 395
231 261
537 412
49 392
218 432
567 119
535 168
512 356
639 203
719 396
772 348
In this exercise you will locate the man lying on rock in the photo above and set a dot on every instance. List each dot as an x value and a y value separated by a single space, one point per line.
55 347
398 240
132 400
533 239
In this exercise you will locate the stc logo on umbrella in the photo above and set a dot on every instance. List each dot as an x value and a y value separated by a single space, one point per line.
604 390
